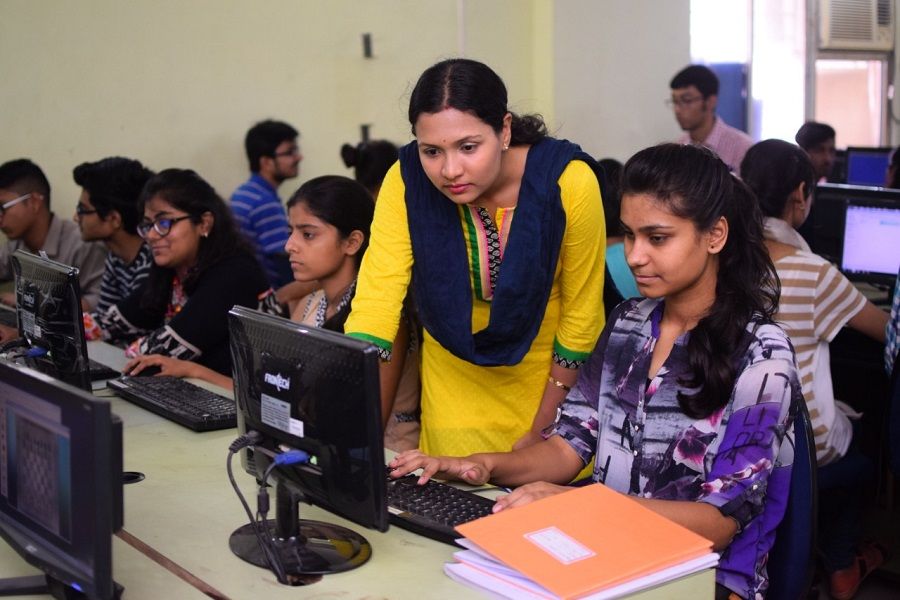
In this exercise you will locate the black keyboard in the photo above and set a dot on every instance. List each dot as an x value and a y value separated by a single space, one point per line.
100 371
178 400
433 509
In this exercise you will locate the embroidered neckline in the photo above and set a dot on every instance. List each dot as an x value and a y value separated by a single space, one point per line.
321 307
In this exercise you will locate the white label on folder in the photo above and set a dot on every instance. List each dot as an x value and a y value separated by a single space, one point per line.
560 546
275 413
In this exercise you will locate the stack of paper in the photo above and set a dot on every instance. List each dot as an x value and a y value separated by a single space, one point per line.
589 542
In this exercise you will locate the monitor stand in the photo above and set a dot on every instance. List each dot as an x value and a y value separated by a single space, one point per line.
44 584
307 548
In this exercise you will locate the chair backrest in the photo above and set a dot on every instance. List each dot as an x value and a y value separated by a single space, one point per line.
791 560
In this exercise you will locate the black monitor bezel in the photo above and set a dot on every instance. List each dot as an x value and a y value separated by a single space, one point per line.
376 515
824 236
80 375
94 579
872 277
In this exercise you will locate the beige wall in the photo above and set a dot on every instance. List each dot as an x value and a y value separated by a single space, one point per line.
177 83
613 62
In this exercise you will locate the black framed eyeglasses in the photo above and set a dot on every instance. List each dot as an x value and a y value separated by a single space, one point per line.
81 210
161 226
7 205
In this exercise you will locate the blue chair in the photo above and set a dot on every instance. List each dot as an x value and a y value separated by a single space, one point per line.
791 562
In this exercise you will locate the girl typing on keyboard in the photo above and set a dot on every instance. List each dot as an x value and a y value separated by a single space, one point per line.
690 391
201 268
330 218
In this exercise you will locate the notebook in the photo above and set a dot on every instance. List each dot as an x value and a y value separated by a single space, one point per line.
584 541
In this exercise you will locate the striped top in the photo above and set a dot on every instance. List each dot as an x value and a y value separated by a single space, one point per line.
121 279
261 218
816 301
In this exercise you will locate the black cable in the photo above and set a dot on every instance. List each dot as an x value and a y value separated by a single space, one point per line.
271 555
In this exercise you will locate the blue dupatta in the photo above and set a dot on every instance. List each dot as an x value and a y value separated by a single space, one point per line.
440 275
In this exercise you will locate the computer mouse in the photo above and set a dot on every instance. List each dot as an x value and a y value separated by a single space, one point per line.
147 371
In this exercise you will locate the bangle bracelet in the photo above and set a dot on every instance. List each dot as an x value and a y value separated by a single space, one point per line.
559 383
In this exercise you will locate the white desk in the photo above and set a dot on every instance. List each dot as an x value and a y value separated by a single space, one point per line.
186 509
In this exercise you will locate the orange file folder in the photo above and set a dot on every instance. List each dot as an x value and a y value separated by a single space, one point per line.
584 540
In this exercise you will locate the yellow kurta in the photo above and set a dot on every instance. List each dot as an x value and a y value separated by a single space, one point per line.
468 408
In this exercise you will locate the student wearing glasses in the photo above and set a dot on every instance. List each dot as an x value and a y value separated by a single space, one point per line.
201 268
695 94
28 222
107 211
274 157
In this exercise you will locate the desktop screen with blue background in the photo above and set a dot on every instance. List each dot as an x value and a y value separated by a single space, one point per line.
867 166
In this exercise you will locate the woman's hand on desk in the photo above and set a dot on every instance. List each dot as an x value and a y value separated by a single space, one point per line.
444 467
167 365
527 494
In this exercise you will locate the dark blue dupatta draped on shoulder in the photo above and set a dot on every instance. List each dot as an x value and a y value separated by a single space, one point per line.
441 277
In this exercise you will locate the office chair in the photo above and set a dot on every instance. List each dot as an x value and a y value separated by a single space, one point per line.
791 561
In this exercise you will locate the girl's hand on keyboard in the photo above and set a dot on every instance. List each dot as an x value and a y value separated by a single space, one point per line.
167 365
528 493
442 467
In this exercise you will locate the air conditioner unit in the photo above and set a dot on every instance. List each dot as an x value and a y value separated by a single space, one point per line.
856 25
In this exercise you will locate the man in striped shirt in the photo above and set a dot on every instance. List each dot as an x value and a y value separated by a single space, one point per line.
274 156
108 211
816 302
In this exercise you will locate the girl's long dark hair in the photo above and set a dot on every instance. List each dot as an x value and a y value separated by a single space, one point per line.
186 191
470 86
345 204
693 183
773 169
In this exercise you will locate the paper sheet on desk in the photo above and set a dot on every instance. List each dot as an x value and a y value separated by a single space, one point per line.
478 569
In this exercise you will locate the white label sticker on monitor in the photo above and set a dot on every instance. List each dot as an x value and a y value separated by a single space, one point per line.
275 413
28 327
297 427
560 546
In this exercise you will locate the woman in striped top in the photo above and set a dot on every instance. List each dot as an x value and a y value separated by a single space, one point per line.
816 302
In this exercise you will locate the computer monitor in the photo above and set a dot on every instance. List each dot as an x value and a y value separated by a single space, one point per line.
824 228
871 242
308 389
60 484
867 166
48 302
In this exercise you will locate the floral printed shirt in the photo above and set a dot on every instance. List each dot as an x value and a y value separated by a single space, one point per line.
644 445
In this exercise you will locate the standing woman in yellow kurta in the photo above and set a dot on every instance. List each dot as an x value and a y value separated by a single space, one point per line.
497 230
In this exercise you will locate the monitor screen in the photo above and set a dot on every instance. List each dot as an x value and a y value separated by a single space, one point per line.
48 302
867 166
871 243
824 227
60 479
316 391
